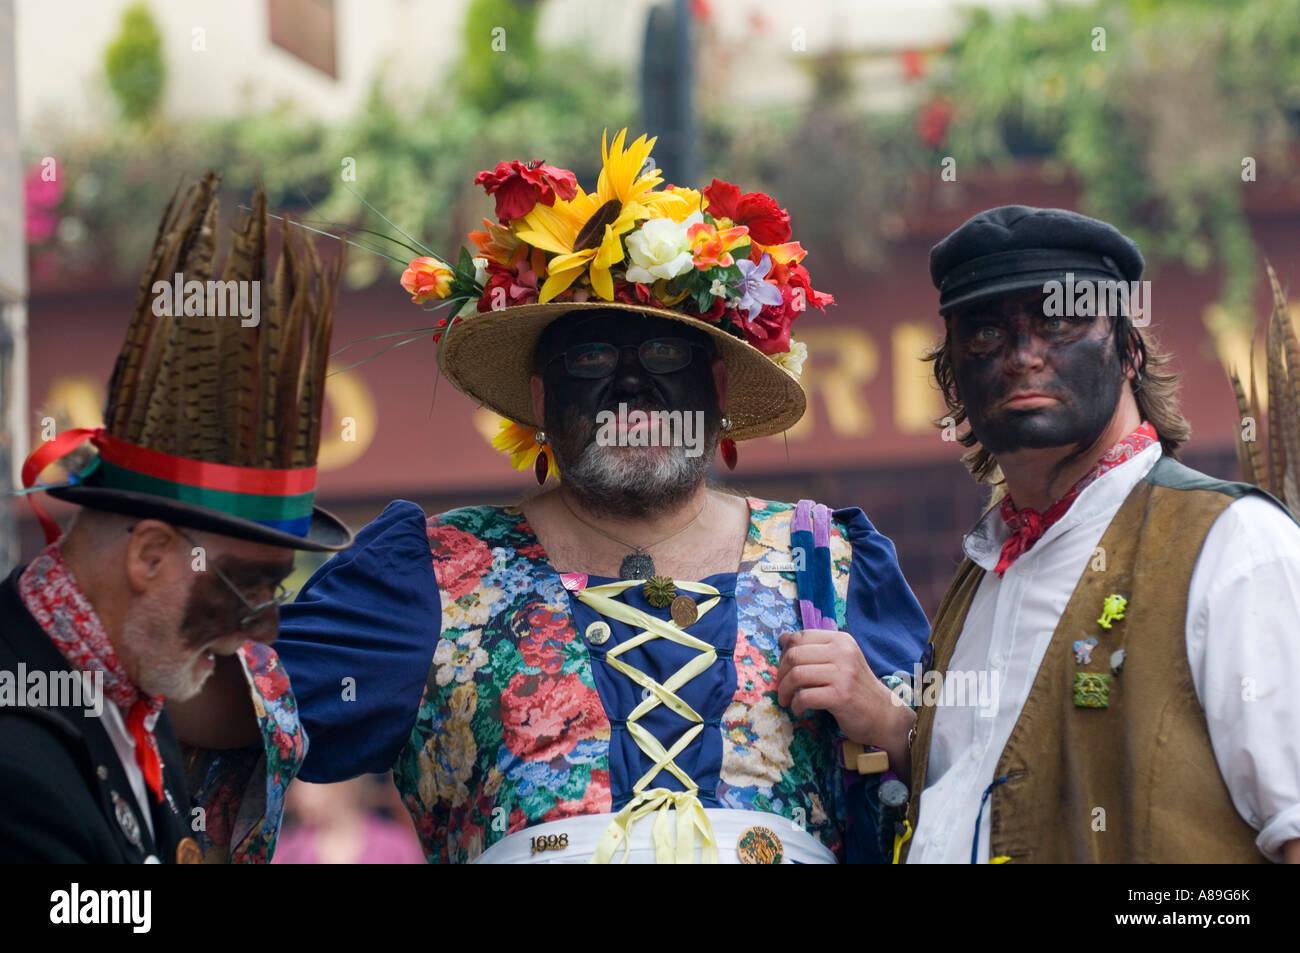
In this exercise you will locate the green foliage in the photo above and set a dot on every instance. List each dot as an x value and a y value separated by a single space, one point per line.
1155 127
134 64
501 57
414 161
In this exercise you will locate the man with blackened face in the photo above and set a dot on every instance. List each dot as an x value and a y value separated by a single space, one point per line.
616 667
603 367
1030 381
1101 601
631 592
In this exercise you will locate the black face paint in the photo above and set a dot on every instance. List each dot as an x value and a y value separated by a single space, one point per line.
997 348
573 405
213 611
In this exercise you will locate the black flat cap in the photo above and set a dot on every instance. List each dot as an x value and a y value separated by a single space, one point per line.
1016 247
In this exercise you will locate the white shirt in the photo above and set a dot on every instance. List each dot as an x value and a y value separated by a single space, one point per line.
1243 647
124 745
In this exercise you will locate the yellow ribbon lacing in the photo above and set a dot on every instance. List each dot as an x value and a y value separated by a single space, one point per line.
692 819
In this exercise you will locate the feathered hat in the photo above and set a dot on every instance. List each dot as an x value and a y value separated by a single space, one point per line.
1273 463
718 260
214 407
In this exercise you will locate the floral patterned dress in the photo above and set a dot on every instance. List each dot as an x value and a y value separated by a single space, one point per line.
480 679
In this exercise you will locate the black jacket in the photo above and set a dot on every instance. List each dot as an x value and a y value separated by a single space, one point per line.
64 797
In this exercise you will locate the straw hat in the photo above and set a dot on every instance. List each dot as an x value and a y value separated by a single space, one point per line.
627 246
489 356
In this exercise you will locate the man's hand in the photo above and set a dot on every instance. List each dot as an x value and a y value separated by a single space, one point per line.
826 670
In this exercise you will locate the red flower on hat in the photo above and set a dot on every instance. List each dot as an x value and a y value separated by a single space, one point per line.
519 186
770 330
630 292
797 277
768 223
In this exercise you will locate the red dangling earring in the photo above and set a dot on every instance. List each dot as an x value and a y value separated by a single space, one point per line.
542 468
728 446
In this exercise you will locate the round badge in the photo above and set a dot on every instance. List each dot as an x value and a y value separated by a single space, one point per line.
598 633
758 845
187 851
684 611
126 819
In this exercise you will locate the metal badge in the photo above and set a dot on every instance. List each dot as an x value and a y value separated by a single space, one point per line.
126 819
548 842
758 845
598 633
659 591
187 851
684 611
1091 690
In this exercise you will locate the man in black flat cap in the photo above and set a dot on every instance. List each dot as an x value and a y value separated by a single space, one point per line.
1131 620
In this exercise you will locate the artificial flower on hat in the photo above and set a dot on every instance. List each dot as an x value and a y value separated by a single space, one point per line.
719 258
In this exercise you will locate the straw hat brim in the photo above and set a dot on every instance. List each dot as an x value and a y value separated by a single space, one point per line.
327 532
489 357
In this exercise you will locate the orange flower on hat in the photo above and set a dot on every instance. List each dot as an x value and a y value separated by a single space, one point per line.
427 278
712 248
496 243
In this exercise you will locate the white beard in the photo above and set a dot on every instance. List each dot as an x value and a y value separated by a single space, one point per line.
163 664
634 481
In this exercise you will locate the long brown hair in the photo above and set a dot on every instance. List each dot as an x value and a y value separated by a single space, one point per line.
1155 387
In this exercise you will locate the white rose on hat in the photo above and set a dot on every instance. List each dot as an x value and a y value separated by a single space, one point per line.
660 249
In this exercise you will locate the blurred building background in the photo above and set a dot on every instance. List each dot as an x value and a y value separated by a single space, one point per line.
880 126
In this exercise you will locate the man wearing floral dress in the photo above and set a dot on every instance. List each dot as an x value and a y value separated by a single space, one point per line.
618 667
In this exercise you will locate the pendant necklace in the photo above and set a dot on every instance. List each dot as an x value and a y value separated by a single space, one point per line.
638 564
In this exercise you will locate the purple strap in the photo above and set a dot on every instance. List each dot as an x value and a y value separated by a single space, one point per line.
815 519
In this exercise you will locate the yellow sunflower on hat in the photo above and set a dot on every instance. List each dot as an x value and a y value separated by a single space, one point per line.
585 234
719 260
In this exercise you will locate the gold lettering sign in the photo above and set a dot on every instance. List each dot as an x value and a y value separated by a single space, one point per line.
841 361
352 410
917 401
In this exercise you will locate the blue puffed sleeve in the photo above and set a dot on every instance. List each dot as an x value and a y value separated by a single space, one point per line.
881 612
371 614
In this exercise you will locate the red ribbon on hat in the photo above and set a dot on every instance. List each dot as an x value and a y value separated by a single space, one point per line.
50 452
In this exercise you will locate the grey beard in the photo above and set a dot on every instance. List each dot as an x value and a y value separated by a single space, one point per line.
613 482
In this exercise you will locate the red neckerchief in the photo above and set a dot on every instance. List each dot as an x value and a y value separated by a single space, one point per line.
51 594
1028 526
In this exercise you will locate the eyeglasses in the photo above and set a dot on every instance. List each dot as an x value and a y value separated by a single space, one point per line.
282 595
597 359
